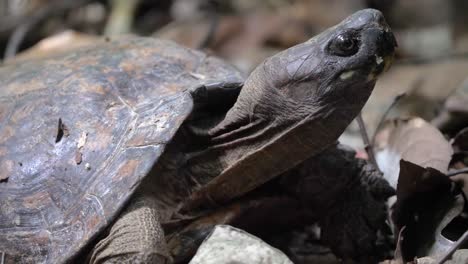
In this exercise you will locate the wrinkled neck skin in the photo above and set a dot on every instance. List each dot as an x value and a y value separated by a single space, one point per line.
270 130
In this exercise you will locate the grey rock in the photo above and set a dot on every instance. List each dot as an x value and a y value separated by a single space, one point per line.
227 244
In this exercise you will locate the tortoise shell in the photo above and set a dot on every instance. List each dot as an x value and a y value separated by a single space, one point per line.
79 132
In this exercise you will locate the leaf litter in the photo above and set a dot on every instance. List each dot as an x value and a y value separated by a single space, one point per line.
415 157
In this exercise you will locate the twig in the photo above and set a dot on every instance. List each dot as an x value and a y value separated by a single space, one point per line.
365 138
15 40
454 247
384 116
10 22
2 258
398 252
456 172
210 35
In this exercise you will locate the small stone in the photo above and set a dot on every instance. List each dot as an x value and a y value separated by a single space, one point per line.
87 166
227 244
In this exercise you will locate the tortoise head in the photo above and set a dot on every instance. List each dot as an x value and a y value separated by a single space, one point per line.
315 76
332 72
298 102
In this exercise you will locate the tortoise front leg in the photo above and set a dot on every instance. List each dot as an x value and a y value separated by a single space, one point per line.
135 237
350 196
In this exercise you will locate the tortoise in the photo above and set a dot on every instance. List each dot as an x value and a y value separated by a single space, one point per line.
100 146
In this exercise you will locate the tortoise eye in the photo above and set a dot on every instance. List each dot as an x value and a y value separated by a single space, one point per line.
345 44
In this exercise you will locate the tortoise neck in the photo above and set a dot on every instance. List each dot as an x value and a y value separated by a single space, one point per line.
267 149
246 150
258 147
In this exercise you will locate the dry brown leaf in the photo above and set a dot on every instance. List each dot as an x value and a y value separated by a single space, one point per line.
413 140
425 205
415 154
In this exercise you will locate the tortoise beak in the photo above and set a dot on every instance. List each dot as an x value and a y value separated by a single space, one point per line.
389 41
383 37
386 44
388 49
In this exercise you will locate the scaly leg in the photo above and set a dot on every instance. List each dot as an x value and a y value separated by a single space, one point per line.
135 237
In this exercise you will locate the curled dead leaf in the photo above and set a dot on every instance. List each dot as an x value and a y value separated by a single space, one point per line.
425 205
413 140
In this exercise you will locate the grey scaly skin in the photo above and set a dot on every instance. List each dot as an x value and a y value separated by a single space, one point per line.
291 108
